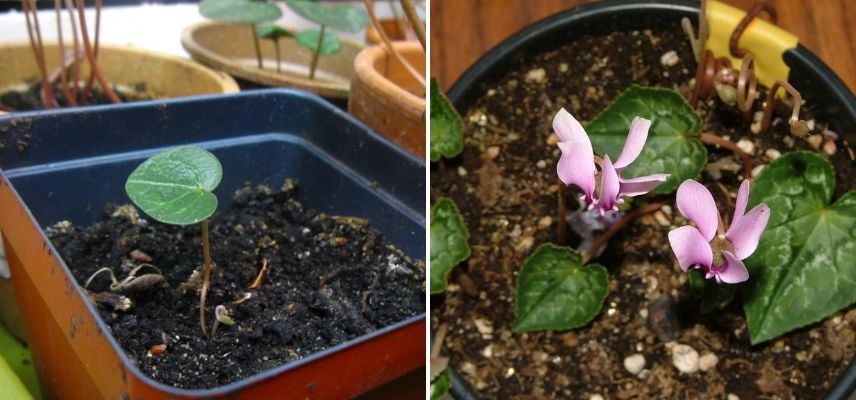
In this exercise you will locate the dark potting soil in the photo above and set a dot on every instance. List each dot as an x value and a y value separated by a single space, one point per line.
330 279
31 98
506 187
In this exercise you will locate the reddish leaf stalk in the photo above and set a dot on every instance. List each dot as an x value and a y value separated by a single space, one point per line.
206 280
719 141
75 74
317 54
90 55
413 17
35 35
62 56
615 228
87 92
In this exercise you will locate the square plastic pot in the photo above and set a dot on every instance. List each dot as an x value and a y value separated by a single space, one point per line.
77 160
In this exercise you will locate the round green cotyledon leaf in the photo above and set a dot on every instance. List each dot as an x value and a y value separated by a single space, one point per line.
309 38
175 187
804 269
673 146
446 125
556 292
343 17
272 32
449 245
239 11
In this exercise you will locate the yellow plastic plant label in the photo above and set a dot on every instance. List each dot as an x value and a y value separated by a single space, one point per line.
766 41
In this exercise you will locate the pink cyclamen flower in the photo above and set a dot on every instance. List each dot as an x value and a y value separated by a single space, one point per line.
707 245
606 189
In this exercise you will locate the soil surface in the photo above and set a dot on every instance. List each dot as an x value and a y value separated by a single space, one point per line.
31 97
329 280
506 187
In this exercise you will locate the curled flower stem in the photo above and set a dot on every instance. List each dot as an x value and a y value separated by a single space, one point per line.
62 57
34 33
715 140
410 11
603 239
744 23
90 55
771 99
746 94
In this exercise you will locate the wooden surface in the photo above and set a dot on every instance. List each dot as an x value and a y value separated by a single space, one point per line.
463 30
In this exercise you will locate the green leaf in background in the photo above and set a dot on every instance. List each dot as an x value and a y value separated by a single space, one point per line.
441 385
175 186
556 292
446 125
343 17
239 11
449 245
20 369
711 295
272 32
672 147
805 266
309 38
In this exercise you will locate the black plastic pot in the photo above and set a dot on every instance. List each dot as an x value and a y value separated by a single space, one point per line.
808 74
77 160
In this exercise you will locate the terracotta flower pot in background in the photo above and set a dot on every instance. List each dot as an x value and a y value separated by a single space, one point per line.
396 30
229 48
387 98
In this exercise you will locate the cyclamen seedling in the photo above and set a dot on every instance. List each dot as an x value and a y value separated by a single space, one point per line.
342 17
241 12
175 187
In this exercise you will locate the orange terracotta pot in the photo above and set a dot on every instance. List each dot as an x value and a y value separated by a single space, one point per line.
396 30
387 98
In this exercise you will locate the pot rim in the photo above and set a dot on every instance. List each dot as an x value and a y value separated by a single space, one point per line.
506 49
236 387
365 71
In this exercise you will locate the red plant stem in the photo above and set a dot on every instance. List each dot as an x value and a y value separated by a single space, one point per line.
88 90
316 54
718 141
615 228
562 228
75 75
35 36
91 56
62 64
206 280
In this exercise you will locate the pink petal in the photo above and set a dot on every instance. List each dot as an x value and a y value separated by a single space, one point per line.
636 138
696 204
641 185
576 167
690 247
742 199
568 128
746 232
609 186
734 271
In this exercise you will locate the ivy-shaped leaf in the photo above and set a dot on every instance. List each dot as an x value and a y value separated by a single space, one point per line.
556 292
441 385
673 146
239 11
710 294
343 17
446 125
804 268
449 244
308 38
175 187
